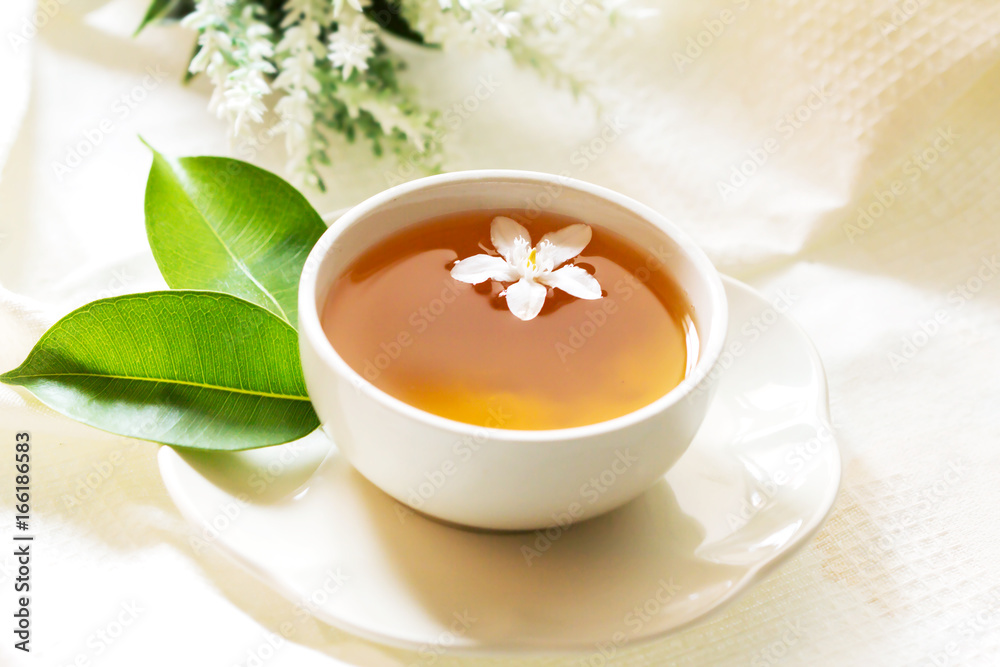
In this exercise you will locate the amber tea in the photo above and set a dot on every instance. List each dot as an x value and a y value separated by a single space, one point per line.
499 319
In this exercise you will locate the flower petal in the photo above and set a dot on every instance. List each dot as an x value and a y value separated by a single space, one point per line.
564 244
525 298
478 268
573 280
503 231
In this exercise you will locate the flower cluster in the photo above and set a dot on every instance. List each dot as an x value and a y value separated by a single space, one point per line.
332 68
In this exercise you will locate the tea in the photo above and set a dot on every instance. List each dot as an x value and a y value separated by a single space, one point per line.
615 340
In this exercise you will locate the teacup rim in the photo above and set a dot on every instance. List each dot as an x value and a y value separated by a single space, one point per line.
711 348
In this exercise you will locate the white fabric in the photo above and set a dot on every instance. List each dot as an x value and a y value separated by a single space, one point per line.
905 572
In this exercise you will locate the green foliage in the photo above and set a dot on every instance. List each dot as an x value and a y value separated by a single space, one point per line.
221 224
194 369
213 365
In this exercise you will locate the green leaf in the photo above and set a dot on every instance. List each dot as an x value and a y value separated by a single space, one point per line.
156 10
188 74
224 225
193 369
389 15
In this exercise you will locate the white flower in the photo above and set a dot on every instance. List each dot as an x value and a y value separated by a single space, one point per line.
464 22
352 45
359 96
338 6
213 44
531 269
234 51
246 56
491 21
297 53
244 98
208 13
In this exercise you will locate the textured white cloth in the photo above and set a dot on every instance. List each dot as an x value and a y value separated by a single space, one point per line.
868 137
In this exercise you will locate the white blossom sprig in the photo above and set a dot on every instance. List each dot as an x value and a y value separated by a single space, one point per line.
235 52
298 51
335 71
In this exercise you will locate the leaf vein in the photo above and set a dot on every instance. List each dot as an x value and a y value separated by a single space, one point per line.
200 385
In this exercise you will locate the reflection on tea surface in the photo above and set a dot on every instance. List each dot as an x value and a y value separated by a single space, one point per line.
399 319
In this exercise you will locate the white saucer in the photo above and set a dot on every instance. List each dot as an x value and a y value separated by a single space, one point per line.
756 484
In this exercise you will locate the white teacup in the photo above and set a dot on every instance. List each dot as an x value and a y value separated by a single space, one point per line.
500 478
